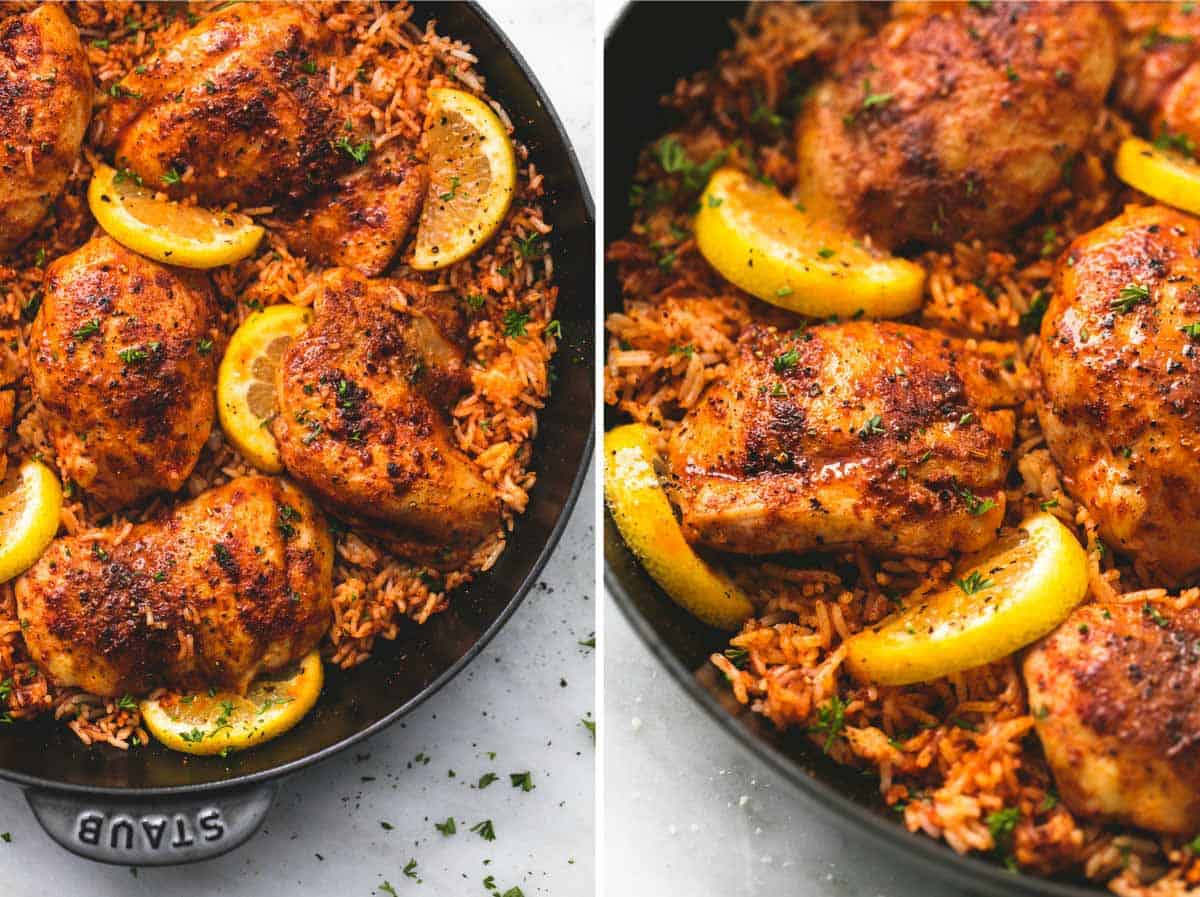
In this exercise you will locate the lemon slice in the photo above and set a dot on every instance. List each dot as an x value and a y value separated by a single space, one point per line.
246 401
759 241
30 502
222 722
167 231
473 175
1167 176
644 516
1003 598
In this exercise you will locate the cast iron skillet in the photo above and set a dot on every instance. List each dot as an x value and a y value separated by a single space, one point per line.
840 795
153 807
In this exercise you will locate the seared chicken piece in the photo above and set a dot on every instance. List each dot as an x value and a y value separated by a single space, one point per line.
233 102
954 124
362 424
1113 691
45 106
861 433
233 583
362 222
1120 396
122 356
1159 80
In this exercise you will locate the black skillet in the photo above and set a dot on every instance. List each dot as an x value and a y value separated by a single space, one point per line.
149 806
838 794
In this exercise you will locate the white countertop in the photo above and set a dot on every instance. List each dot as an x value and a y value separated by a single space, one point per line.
522 698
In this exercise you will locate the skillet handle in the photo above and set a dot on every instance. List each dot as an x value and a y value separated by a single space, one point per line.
151 831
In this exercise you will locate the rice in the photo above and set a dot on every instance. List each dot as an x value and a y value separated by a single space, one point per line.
382 65
956 758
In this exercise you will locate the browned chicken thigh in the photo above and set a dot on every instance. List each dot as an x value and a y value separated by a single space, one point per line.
363 397
123 357
956 123
1113 691
860 433
228 585
1159 79
235 104
45 106
1120 370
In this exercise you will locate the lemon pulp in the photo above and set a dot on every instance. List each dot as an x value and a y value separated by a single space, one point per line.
215 722
643 514
168 231
473 176
1167 176
246 399
758 240
1002 599
30 504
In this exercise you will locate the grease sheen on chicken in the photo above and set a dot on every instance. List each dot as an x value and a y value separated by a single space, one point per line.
228 585
879 434
123 356
955 123
1113 691
45 106
363 399
1120 396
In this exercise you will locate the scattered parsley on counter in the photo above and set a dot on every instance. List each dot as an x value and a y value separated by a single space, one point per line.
522 780
448 827
485 830
486 779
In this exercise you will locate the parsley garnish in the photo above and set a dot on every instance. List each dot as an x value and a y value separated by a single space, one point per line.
975 582
514 322
126 702
1192 330
133 355
1001 824
486 779
873 427
737 656
356 151
1031 319
976 506
445 197
528 247
446 828
871 100
786 361
1131 294
91 328
205 346
1151 613
831 719
522 780
309 66
410 869
387 888
485 830
171 176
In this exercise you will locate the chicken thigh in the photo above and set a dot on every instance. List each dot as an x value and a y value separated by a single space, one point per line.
235 106
123 357
226 586
45 106
954 124
867 433
1113 691
1120 384
363 397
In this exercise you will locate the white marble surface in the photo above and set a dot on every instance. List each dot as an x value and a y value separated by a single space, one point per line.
522 698
688 810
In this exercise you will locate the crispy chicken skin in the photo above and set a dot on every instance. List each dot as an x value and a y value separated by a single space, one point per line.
1120 384
45 106
232 100
361 222
233 583
955 124
116 358
867 433
363 398
1159 79
1113 691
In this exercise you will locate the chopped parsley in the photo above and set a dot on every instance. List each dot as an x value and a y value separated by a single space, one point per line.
522 780
1192 330
309 66
974 582
831 719
514 322
1132 294
528 247
486 779
1150 612
133 355
387 888
446 828
410 869
171 176
356 151
786 361
1001 824
976 506
873 427
826 253
204 346
871 100
485 830
452 192
1031 319
475 300
91 328
126 702
737 656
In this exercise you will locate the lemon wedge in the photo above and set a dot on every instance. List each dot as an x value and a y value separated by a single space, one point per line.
644 516
1002 599
1167 176
167 231
30 502
220 722
758 240
473 175
246 401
